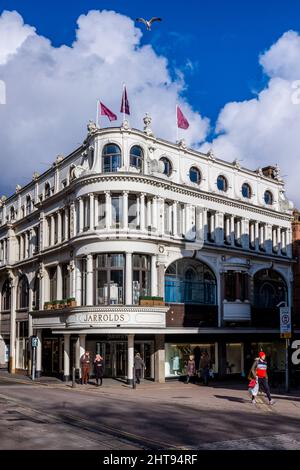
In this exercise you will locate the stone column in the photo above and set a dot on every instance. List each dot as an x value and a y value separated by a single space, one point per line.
66 358
52 233
59 227
148 213
154 214
175 228
278 240
66 216
81 345
12 345
227 230
232 231
283 241
161 216
81 214
252 234
159 364
130 356
59 289
78 280
38 372
92 216
26 245
161 280
125 210
142 213
107 210
96 210
77 356
128 279
289 242
245 234
153 275
89 280
257 236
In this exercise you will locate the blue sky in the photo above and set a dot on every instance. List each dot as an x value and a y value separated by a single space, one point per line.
230 64
221 40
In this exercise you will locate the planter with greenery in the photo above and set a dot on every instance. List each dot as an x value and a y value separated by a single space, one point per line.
71 302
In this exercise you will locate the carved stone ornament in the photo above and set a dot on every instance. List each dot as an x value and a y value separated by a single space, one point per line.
91 127
77 171
18 188
35 176
147 123
182 144
58 159
125 125
211 154
259 172
236 163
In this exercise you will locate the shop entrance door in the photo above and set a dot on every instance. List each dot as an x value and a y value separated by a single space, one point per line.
121 360
50 362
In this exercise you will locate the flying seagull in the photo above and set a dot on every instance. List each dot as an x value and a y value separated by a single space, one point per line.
148 23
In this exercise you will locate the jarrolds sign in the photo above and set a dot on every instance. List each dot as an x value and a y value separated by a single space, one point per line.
132 318
103 318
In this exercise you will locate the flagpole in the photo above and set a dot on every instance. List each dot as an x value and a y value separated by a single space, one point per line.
177 129
97 114
123 103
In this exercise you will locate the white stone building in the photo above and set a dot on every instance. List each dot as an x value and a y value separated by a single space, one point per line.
127 217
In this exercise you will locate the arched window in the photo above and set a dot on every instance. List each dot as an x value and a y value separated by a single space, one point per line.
195 175
222 184
23 292
191 282
246 191
28 205
268 198
167 166
111 158
6 295
47 190
12 213
137 157
269 289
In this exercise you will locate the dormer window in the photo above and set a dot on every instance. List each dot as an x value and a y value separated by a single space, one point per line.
28 205
268 198
167 166
195 175
136 157
111 158
222 184
246 191
12 213
47 190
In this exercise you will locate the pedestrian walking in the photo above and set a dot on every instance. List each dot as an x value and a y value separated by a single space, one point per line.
205 367
138 367
99 369
191 368
85 362
259 373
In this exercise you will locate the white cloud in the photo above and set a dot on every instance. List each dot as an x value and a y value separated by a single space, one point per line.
52 92
266 129
13 33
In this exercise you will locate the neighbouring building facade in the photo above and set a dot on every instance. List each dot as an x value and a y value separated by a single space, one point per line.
89 248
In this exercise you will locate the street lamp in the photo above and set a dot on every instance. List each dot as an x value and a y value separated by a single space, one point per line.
283 303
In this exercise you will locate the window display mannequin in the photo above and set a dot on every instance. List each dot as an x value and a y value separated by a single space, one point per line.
175 363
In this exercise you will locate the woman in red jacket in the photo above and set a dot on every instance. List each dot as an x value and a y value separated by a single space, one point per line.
259 372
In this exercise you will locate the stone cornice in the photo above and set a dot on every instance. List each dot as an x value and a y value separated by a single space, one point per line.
179 189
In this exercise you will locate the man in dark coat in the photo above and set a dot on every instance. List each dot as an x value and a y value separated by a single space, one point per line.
85 362
138 367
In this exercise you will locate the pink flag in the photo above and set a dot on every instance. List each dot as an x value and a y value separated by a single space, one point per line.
182 121
104 111
125 103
